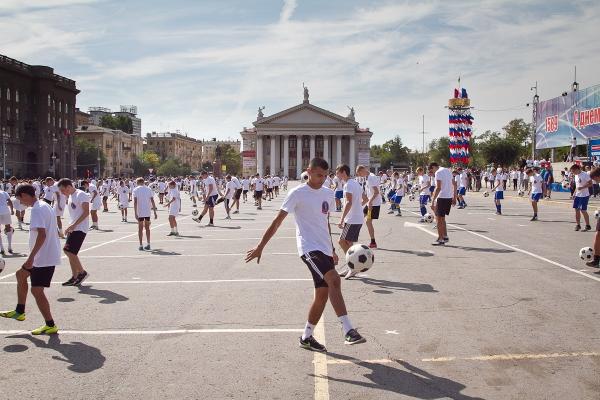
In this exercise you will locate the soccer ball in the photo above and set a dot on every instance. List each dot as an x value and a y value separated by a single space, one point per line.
360 258
2 264
304 177
565 184
416 188
486 194
521 193
428 218
586 254
411 197
597 214
195 213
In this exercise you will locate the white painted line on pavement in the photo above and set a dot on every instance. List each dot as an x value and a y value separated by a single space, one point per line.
163 332
320 364
198 240
421 228
529 253
137 281
148 254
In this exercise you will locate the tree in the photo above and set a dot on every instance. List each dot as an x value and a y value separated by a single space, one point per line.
121 122
87 156
499 150
230 158
439 151
146 161
151 159
391 152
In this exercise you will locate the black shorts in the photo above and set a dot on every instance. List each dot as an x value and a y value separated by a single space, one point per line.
211 200
442 207
374 211
141 219
269 190
237 194
319 264
74 241
104 198
350 232
245 191
41 276
258 194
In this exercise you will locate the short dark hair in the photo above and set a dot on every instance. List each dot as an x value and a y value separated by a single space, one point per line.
318 163
595 173
203 173
433 164
343 168
575 166
65 182
25 189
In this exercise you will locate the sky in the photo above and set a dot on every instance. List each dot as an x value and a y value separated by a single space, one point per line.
204 67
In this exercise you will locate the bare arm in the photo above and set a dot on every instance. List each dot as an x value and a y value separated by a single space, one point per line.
269 233
347 207
39 242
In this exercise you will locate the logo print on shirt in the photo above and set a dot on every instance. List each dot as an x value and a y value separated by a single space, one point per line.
325 207
73 206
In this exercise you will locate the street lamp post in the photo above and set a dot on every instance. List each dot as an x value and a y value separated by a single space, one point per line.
4 152
54 140
98 159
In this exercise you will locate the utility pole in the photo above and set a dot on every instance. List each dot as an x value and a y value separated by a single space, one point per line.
3 152
536 101
98 159
423 133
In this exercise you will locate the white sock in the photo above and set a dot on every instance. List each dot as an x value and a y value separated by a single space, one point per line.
308 330
346 324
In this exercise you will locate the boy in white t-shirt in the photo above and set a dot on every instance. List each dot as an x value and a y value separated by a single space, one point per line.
371 200
535 189
583 183
174 206
95 202
123 196
311 204
498 182
6 220
143 205
44 256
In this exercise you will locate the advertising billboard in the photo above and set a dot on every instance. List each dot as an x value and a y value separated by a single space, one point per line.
575 115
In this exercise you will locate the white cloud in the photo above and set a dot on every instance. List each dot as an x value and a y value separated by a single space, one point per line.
288 9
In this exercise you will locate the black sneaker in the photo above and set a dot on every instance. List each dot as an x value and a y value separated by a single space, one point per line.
587 229
446 239
595 263
70 282
577 228
439 242
310 343
353 337
534 218
80 278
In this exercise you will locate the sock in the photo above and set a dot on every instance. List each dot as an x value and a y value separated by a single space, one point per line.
308 330
423 210
50 323
498 207
200 217
211 220
373 240
20 308
346 324
9 236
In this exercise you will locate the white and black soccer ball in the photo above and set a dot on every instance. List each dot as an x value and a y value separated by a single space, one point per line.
304 177
195 213
360 258
2 264
428 218
411 197
597 214
486 194
566 184
586 254
521 193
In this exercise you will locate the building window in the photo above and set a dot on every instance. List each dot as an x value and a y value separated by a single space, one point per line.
49 101
7 93
49 118
60 106
17 96
16 114
60 123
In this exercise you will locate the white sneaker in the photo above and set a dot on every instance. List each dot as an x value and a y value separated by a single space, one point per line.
350 274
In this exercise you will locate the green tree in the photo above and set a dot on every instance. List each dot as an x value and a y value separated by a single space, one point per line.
391 152
439 151
87 156
170 167
121 122
499 150
231 158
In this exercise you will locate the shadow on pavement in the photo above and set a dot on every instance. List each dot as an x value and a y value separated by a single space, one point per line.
81 357
107 296
413 252
385 284
408 380
482 249
187 237
161 252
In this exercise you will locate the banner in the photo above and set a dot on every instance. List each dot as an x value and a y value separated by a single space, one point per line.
575 115
594 149
364 158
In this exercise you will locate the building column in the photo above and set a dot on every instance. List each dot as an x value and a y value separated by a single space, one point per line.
273 163
298 156
312 146
352 155
338 152
259 155
286 155
326 149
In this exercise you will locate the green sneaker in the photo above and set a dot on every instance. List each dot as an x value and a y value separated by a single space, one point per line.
13 314
48 330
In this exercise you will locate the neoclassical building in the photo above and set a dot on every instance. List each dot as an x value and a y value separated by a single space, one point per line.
284 143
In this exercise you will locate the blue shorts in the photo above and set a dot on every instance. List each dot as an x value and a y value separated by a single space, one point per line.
339 194
431 188
391 194
424 199
212 200
499 196
397 199
462 191
581 203
535 197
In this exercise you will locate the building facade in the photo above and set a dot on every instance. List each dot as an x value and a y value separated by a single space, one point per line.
82 118
96 114
177 146
285 142
120 149
37 120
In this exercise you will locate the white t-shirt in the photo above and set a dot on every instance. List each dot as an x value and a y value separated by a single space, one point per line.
175 206
245 184
464 180
144 196
96 199
42 216
536 183
230 190
75 210
446 189
355 215
499 182
49 192
372 183
339 185
424 184
4 197
580 180
276 181
311 208
123 194
258 184
162 187
236 183
269 183
210 181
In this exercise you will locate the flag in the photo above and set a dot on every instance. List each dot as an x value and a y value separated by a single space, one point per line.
456 93
464 94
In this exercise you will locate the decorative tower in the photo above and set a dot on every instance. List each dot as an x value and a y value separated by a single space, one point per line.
460 131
